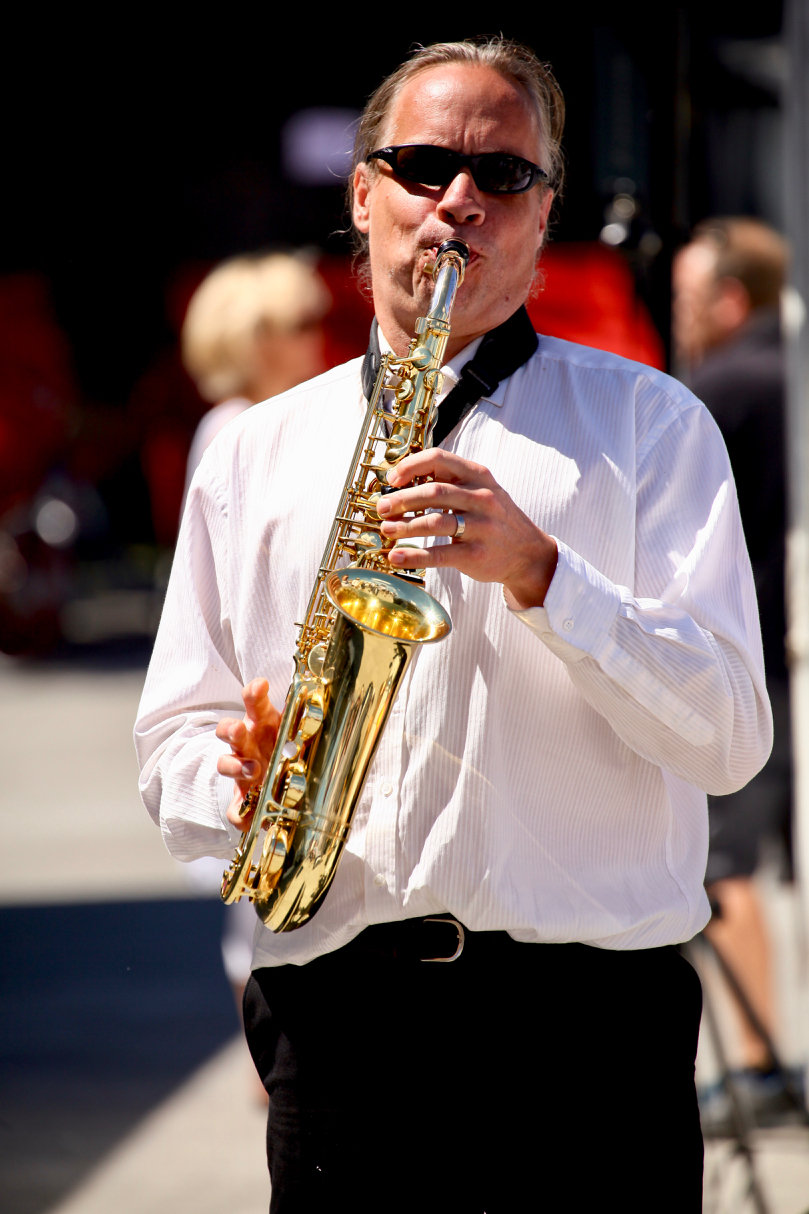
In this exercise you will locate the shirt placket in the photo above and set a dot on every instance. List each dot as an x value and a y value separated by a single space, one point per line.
382 895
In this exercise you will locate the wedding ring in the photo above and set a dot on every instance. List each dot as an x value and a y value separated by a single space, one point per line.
460 526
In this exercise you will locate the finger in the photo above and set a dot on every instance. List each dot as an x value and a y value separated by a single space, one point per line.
443 465
434 524
232 731
238 768
256 698
428 558
435 495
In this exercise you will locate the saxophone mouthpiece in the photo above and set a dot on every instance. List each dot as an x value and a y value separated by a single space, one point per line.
453 246
449 246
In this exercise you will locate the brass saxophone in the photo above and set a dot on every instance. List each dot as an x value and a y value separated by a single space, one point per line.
357 639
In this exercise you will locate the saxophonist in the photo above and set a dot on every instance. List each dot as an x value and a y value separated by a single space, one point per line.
488 1012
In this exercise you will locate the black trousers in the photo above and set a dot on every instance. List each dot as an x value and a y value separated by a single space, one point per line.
521 1077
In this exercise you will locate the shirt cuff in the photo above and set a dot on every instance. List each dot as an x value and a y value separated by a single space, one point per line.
579 609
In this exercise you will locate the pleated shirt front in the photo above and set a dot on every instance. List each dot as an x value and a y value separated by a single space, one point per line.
542 772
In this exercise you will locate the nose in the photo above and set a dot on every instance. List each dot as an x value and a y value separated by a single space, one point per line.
462 201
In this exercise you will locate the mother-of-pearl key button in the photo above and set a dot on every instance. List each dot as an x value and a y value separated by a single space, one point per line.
386 789
379 880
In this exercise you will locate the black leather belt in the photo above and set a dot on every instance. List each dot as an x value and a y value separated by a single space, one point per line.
433 938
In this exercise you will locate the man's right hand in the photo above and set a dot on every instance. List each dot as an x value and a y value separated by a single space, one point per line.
251 741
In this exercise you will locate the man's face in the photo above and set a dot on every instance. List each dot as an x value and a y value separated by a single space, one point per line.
694 288
471 110
706 310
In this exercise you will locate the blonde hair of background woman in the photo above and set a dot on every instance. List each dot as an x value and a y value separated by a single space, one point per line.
240 302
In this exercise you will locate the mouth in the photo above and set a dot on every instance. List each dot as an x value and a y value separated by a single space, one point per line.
431 254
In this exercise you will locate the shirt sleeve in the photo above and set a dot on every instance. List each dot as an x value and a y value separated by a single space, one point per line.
675 668
193 681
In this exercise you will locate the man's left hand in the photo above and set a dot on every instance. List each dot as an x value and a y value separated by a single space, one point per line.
499 544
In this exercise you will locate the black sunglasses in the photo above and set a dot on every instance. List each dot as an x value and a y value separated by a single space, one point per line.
492 172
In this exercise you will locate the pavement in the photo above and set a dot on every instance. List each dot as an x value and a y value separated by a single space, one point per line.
201 1150
124 1082
72 824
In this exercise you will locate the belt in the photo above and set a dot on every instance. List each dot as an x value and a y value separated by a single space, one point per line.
433 938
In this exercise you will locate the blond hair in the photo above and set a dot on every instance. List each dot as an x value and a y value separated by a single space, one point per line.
511 60
237 303
750 251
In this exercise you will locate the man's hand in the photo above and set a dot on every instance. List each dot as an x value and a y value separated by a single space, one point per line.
251 740
500 543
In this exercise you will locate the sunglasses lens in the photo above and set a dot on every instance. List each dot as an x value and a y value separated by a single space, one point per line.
494 172
426 165
499 174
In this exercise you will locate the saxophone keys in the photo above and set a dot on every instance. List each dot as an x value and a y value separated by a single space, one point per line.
368 540
317 656
311 721
420 358
275 850
293 790
250 800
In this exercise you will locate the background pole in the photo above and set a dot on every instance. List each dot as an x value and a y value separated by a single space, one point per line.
796 333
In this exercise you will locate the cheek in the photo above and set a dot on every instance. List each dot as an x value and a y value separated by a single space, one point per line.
394 210
523 232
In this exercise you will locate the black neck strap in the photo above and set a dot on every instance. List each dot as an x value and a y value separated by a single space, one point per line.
502 352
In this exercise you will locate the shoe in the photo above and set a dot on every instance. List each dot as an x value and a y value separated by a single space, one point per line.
763 1095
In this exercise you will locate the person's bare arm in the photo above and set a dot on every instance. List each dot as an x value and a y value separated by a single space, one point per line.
251 741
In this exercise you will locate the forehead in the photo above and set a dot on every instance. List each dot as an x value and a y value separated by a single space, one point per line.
695 264
469 108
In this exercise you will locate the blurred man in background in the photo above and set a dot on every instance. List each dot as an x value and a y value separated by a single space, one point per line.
252 330
727 284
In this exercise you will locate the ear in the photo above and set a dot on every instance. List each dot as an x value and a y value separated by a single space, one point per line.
360 211
545 205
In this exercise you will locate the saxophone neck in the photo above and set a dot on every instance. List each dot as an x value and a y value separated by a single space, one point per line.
448 272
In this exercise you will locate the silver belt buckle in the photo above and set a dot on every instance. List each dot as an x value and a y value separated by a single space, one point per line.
461 937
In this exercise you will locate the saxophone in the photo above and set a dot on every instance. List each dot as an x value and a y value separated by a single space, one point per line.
358 636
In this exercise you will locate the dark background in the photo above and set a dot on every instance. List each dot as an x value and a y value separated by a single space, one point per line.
138 151
133 150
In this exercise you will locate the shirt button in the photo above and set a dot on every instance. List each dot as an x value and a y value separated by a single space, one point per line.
379 880
568 624
386 789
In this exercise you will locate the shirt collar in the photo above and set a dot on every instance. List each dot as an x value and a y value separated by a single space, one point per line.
452 370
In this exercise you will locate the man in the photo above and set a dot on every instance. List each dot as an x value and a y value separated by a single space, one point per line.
727 285
539 778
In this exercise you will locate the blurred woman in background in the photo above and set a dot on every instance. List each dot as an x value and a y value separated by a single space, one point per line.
253 329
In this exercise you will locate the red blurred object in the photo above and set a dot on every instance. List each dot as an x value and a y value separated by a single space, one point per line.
589 297
163 459
164 409
180 289
38 392
349 321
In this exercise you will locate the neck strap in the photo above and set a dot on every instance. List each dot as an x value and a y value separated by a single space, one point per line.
502 352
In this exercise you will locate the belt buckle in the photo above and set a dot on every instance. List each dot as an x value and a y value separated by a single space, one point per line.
461 938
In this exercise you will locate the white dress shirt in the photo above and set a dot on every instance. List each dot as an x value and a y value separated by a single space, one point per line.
542 771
